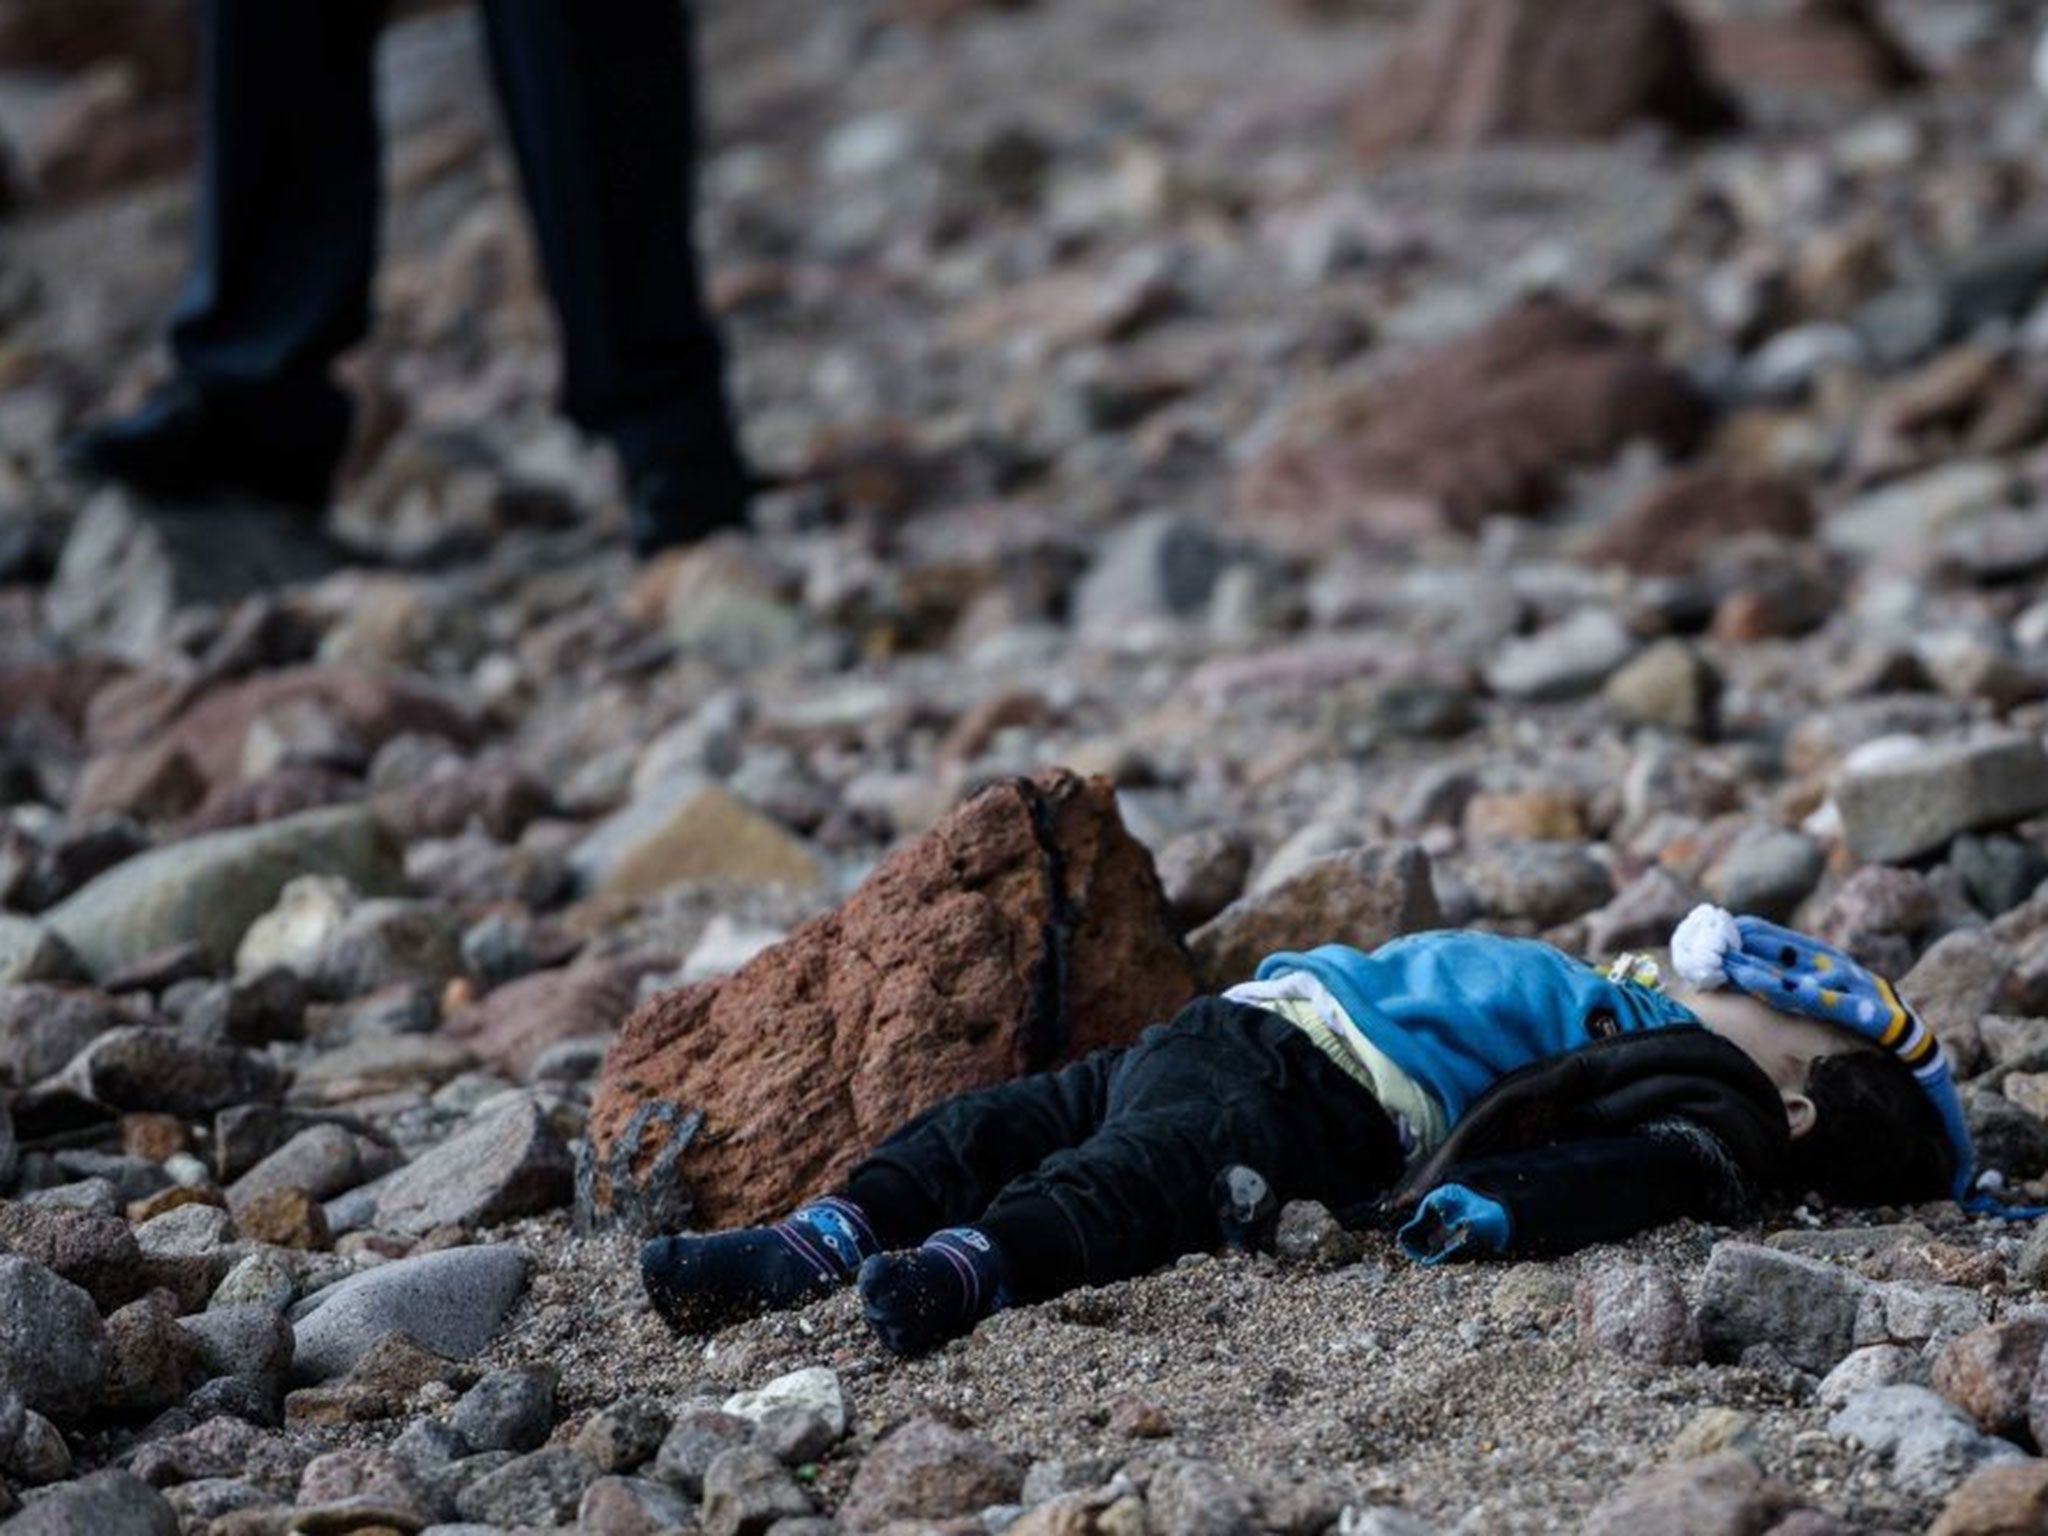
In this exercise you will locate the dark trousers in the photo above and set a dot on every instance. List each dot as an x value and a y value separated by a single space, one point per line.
1106 1168
599 96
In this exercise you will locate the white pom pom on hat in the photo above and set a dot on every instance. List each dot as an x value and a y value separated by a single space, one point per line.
1701 944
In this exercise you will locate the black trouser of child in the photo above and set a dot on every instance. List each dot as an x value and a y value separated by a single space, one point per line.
1106 1168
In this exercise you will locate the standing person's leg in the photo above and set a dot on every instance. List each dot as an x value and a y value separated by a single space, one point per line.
1222 1084
942 1167
601 101
283 252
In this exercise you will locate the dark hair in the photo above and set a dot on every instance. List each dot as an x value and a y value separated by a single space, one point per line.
1876 1138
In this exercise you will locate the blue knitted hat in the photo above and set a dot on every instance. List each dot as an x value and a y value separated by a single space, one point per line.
1792 973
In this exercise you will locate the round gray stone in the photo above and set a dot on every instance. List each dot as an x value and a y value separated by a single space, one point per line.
452 1302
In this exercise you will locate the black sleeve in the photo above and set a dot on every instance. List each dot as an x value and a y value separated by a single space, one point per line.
1569 1195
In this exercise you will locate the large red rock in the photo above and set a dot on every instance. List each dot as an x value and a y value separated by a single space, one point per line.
1682 520
1024 930
1486 424
1471 71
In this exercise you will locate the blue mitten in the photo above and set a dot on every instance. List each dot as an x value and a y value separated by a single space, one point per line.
1455 1222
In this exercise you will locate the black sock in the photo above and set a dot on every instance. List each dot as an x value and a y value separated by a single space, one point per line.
701 1282
916 1301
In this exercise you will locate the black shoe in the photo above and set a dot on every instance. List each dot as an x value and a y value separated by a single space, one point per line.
680 500
188 445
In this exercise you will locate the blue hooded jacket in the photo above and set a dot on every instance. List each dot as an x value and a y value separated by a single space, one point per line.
1459 1011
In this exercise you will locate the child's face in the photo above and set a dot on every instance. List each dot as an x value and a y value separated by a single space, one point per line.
1784 1045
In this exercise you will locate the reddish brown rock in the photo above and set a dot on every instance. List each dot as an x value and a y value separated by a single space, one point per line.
1137 1418
1682 521
154 1136
1636 1311
1473 71
974 732
149 1207
514 1024
1880 903
1836 47
1748 615
1542 815
1939 1264
288 1217
154 1359
1359 896
1487 424
1989 1373
156 782
1024 930
136 708
2009 1498
928 1471
373 706
1726 1492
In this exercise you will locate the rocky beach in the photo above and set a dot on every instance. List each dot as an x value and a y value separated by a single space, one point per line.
1238 474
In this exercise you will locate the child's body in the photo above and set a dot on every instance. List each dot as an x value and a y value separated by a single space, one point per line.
1482 1076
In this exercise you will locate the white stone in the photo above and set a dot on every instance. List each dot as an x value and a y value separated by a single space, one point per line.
1570 657
1875 1365
815 1387
310 910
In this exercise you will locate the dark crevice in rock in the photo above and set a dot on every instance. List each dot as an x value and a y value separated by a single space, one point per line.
1047 1029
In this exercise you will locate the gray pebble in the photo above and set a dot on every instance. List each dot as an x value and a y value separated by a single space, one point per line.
746 1490
794 1436
426 1444
625 1435
698 1438
510 1410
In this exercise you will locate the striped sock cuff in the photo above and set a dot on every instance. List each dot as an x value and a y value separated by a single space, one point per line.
834 1232
853 1216
980 1266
